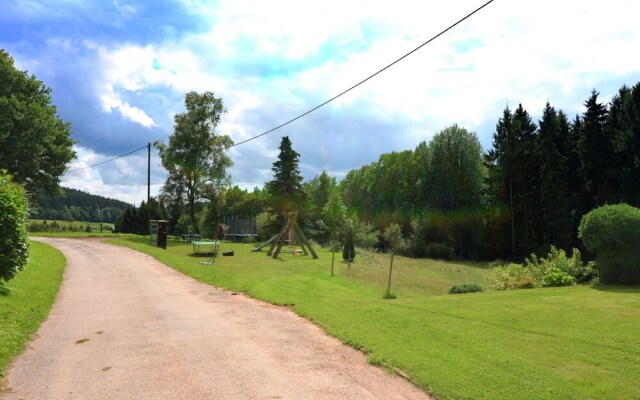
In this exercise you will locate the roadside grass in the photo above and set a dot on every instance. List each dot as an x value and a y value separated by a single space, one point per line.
571 343
69 228
28 301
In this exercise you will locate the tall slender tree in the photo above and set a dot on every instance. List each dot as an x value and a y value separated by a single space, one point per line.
195 157
504 167
555 203
595 151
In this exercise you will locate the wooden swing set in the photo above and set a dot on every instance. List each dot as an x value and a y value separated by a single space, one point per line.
291 233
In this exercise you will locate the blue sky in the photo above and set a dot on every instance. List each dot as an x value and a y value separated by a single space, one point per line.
119 71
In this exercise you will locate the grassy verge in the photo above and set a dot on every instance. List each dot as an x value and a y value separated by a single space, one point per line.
570 343
28 301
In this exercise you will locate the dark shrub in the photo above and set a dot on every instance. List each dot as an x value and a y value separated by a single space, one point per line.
349 250
612 232
459 288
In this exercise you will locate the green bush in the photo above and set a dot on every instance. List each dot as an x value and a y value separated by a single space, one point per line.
14 242
556 269
557 258
460 288
554 276
439 250
612 232
513 276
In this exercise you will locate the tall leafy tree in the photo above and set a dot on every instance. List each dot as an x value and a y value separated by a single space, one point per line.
285 190
195 157
422 174
334 214
457 167
36 144
319 190
457 184
353 188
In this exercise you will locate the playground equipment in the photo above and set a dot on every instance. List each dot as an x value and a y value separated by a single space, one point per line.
239 229
290 233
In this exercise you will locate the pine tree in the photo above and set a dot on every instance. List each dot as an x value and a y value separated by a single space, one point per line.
504 169
595 152
554 196
285 190
623 129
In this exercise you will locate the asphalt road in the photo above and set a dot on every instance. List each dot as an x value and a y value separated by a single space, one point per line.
125 326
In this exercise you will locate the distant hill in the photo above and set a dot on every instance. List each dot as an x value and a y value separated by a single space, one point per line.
76 205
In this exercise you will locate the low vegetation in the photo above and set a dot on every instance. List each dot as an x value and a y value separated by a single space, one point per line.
567 342
26 300
460 288
556 269
38 226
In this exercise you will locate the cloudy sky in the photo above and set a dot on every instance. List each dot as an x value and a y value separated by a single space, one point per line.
119 70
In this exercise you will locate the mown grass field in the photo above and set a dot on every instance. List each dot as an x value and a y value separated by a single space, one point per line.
28 301
562 343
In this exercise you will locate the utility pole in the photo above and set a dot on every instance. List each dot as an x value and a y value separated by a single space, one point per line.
149 189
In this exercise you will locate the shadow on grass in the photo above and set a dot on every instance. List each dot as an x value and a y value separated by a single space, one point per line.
4 291
618 288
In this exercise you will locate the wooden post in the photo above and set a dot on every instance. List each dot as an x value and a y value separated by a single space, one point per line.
388 295
333 256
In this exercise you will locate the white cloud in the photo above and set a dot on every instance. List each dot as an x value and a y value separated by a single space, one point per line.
110 101
270 61
125 179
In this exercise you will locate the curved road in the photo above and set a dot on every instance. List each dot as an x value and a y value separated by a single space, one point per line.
125 326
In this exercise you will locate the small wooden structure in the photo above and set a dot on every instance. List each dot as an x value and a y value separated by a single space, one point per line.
290 232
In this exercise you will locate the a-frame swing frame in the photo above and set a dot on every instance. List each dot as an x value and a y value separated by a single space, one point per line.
291 229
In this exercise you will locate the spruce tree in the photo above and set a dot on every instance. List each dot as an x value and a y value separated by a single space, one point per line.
285 190
595 152
554 201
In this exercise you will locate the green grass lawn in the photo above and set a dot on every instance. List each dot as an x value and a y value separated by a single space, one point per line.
561 343
28 301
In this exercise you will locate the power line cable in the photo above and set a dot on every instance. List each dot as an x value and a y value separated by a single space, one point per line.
327 101
367 78
106 161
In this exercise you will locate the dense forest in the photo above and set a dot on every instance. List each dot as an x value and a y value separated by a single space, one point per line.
526 193
529 191
75 205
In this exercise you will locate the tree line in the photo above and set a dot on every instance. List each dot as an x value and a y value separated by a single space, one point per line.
526 193
76 205
449 197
